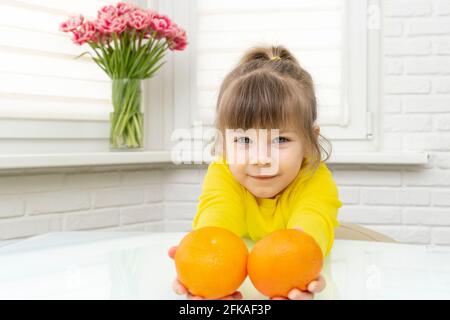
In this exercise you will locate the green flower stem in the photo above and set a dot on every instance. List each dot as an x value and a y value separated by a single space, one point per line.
137 127
126 120
125 113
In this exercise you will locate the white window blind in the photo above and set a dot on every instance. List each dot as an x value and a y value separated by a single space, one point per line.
49 101
328 37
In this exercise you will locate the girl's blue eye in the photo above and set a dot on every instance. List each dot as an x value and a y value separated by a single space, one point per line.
244 140
281 140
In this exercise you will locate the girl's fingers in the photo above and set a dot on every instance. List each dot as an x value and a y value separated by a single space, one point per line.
191 297
237 295
278 298
172 251
178 287
317 285
296 294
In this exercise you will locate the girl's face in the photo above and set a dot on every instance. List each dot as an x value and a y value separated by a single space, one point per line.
265 162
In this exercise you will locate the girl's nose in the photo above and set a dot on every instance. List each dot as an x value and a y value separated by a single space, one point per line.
260 158
264 161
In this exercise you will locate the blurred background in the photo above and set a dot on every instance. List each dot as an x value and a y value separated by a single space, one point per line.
382 75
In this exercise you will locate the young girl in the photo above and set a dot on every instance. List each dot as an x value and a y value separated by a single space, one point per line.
253 193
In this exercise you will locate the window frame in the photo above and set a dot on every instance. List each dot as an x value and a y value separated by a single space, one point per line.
357 130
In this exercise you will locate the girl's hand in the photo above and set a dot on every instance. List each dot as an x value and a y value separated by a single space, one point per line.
179 288
315 286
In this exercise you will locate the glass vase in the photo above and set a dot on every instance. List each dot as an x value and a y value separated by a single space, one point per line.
127 120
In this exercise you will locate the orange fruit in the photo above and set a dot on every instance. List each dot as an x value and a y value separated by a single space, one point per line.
211 262
284 260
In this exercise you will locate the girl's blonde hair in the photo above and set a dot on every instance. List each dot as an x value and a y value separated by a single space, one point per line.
268 89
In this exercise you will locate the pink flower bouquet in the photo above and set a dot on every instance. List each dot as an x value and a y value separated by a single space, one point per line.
129 44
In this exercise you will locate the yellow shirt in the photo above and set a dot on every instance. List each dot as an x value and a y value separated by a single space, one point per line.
311 204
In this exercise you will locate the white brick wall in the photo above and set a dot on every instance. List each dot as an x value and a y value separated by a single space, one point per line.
407 8
410 204
31 204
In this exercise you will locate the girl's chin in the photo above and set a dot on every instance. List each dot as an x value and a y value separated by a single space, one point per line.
264 195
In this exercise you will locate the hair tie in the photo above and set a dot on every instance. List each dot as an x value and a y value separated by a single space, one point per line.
275 58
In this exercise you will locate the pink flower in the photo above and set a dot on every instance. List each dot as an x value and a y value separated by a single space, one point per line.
72 23
138 19
177 38
151 13
108 24
118 24
105 19
86 32
109 11
120 19
124 8
172 31
178 44
104 23
160 24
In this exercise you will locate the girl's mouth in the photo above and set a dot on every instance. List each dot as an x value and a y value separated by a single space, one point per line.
263 178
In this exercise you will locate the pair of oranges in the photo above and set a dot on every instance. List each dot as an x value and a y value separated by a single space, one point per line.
213 262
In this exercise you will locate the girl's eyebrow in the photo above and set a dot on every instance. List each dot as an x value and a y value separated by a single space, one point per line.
290 134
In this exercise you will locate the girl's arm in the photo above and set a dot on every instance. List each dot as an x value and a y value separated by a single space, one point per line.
315 206
221 201
221 205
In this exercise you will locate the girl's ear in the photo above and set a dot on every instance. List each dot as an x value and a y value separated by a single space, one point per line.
316 129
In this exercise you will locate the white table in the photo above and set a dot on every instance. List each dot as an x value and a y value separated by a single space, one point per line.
135 265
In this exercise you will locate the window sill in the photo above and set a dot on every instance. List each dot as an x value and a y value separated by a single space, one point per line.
27 161
380 158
